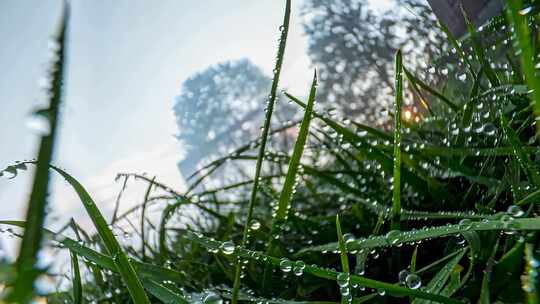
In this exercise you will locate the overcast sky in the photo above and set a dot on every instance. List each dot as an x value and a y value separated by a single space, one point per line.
126 63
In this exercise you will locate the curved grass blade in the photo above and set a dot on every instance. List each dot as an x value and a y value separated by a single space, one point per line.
534 197
417 82
258 257
162 233
439 280
522 39
457 47
294 162
524 161
479 50
290 179
372 152
76 273
530 277
117 203
266 128
143 218
495 223
122 263
396 191
163 293
344 259
35 213
144 270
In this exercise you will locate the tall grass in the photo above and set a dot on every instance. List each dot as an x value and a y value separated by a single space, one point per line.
442 209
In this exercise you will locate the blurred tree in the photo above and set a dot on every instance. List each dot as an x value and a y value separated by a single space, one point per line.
220 108
353 48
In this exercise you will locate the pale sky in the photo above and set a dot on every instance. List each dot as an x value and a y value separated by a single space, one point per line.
126 62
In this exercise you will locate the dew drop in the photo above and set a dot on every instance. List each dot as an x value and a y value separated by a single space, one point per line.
515 211
526 10
255 225
402 276
285 265
212 298
392 236
343 279
227 248
413 281
39 124
299 267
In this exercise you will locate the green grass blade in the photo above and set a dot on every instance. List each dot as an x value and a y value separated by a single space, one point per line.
162 233
76 273
125 268
323 273
163 293
371 152
522 224
294 162
417 82
439 280
479 50
534 197
396 191
342 247
144 270
266 128
344 259
290 179
530 276
522 40
524 161
35 213
453 41
143 218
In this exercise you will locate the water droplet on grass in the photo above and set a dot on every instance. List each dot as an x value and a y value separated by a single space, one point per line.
227 248
515 211
413 281
255 225
285 265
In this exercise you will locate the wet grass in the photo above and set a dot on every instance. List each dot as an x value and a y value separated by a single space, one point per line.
441 209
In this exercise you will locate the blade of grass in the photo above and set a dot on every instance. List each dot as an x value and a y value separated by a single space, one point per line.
530 276
163 293
266 128
372 152
524 161
259 257
439 280
120 258
417 82
76 274
518 224
343 257
522 39
396 191
479 50
144 270
290 179
117 203
457 47
143 216
37 203
294 162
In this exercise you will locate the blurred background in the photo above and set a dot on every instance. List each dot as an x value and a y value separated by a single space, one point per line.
163 88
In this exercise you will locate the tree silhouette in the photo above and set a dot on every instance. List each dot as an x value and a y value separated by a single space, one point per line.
353 48
221 108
